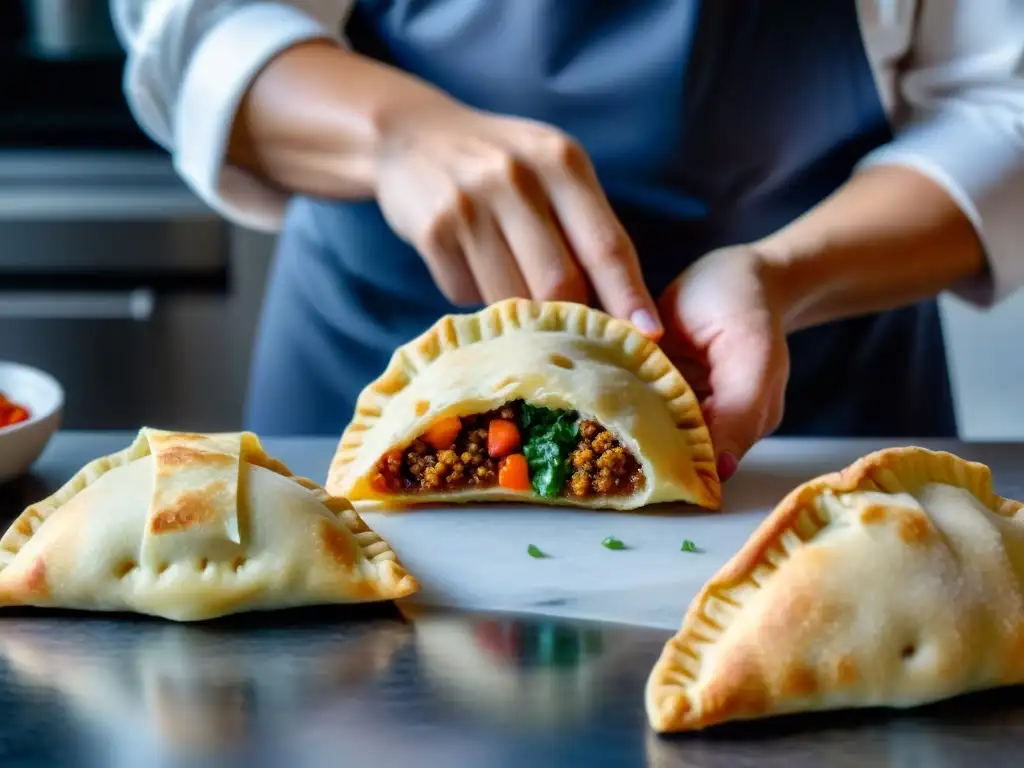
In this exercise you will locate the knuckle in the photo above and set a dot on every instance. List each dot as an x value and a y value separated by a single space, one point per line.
565 153
523 179
497 169
461 208
435 236
440 230
610 246
506 166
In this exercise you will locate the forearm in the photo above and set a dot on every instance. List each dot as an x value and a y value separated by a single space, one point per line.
888 237
312 120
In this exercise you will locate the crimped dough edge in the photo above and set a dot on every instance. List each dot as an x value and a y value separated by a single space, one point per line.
393 579
641 356
668 702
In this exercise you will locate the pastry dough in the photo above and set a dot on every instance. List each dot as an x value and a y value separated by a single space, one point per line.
896 582
556 355
191 527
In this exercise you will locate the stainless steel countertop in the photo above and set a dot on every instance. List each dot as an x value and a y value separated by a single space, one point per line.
337 686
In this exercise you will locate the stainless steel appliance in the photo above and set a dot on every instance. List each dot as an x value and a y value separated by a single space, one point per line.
69 27
60 86
114 277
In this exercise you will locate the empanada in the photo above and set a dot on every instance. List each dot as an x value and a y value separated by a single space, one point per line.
191 527
552 402
894 583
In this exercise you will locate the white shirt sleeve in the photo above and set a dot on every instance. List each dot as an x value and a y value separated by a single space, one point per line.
961 94
189 64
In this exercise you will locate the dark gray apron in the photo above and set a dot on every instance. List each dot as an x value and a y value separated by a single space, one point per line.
710 123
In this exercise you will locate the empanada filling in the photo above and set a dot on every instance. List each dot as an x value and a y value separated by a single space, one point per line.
518 447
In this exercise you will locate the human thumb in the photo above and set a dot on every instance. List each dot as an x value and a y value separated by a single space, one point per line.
748 378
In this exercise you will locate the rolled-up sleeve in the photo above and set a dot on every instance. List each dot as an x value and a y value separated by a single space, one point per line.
962 90
190 62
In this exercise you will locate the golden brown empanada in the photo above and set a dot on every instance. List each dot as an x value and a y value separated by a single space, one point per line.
191 527
550 402
896 582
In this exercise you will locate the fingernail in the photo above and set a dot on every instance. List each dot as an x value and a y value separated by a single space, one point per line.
645 322
727 465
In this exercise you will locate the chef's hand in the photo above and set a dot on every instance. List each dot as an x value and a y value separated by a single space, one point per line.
501 207
724 331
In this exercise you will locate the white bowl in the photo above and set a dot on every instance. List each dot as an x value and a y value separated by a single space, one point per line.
21 444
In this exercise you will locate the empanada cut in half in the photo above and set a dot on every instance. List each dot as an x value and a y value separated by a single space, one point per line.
551 402
893 583
191 527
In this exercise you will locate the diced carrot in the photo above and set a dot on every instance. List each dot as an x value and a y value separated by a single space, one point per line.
442 433
513 473
502 438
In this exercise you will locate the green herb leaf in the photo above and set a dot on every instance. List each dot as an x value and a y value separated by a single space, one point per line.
549 480
534 551
531 416
611 542
541 452
688 546
550 437
547 422
549 467
564 429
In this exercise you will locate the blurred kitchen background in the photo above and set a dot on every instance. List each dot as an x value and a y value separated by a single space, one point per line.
119 282
113 276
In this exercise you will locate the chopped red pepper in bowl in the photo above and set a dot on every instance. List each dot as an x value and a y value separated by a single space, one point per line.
31 408
11 413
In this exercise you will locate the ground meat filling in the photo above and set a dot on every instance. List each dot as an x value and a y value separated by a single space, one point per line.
598 465
465 464
601 465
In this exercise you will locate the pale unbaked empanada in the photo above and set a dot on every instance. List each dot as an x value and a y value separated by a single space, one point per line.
191 527
592 413
896 582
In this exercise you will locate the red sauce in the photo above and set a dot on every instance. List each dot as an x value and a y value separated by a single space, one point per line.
11 413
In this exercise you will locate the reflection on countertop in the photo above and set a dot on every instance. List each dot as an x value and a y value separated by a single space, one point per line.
193 690
367 686
540 675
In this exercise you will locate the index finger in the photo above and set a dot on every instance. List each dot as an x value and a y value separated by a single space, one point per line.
600 244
